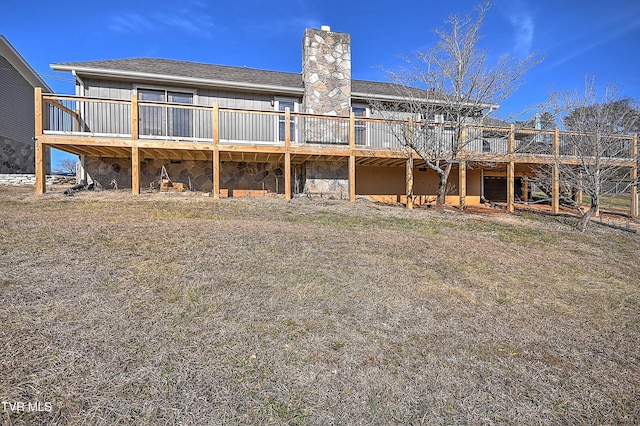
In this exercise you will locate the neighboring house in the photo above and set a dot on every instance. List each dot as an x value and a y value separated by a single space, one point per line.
17 116
233 130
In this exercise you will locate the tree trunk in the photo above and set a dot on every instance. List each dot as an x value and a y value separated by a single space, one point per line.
442 186
586 217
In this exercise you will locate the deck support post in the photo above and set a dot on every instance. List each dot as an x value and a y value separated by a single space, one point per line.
41 168
135 170
511 183
525 189
216 172
462 183
511 186
462 170
409 179
634 177
287 175
555 180
352 178
40 148
287 154
216 151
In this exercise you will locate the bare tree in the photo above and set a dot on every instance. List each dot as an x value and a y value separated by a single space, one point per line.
67 165
447 88
598 125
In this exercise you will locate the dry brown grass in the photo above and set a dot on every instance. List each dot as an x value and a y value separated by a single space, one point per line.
187 310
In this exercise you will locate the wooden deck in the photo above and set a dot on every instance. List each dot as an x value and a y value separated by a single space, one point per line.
59 124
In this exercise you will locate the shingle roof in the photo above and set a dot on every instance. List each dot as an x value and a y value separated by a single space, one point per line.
239 77
194 70
200 71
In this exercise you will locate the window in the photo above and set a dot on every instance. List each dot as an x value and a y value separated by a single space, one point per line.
165 121
283 104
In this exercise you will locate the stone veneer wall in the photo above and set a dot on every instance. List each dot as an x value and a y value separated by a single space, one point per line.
327 178
16 157
326 72
233 175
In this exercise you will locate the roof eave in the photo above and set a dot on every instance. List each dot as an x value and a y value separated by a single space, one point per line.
22 66
395 98
101 72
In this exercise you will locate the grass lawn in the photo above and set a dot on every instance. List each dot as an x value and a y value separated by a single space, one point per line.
173 309
620 202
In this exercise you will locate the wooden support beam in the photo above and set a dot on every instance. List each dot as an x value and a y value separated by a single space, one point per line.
287 128
525 189
634 177
216 173
510 187
352 130
40 149
41 168
555 183
462 183
352 178
409 179
134 117
511 171
287 175
287 154
135 170
38 105
216 123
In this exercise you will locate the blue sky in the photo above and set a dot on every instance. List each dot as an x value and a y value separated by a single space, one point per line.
578 38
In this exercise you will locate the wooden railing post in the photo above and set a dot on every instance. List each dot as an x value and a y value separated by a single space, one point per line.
38 104
40 148
135 122
634 176
215 120
287 154
555 183
511 170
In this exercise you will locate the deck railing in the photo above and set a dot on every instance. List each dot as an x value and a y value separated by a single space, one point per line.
85 116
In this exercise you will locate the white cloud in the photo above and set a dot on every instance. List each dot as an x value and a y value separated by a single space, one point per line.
524 28
186 20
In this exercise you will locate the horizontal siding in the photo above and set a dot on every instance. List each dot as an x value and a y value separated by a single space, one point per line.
17 117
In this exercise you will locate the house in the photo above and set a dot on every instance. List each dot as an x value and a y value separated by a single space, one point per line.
17 116
233 131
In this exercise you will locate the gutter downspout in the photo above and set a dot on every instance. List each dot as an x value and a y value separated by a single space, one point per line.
79 80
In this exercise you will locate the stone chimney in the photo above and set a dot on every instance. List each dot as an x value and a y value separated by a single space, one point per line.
326 72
